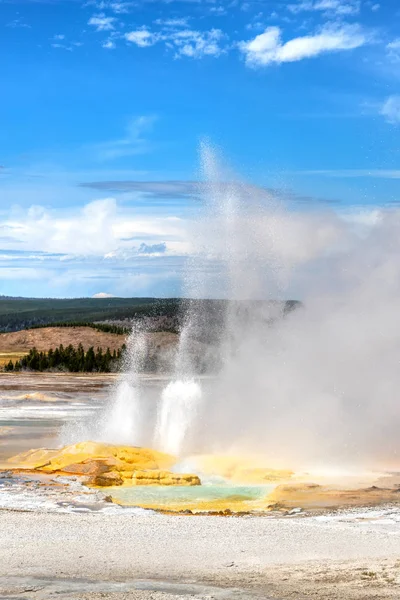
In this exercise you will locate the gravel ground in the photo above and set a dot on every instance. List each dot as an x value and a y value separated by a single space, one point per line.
91 556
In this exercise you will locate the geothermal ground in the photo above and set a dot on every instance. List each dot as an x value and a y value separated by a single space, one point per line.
61 538
95 556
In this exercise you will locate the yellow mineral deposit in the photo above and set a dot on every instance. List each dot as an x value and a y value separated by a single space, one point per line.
234 505
243 469
313 496
157 477
32 459
105 464
127 458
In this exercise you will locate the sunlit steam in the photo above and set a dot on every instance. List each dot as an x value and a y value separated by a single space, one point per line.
315 385
178 409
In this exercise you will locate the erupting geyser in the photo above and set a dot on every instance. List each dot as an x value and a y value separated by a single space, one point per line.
124 420
310 386
178 409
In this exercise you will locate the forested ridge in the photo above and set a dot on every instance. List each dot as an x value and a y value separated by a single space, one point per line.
165 314
105 327
85 350
24 313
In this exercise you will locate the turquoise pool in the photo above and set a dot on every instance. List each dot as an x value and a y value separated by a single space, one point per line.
223 496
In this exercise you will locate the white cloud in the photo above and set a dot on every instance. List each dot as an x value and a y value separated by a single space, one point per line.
108 45
366 217
103 295
120 7
141 37
183 22
102 246
390 109
102 23
100 229
393 50
149 250
196 44
395 45
185 42
59 41
115 6
152 249
18 23
219 11
333 7
134 141
62 46
267 48
87 231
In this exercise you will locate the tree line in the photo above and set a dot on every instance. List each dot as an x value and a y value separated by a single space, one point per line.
105 327
22 313
74 360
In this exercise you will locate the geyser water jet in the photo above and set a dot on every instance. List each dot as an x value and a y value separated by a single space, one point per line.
227 265
178 409
124 422
317 385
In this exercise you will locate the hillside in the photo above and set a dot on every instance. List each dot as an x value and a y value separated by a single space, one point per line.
159 314
161 346
51 337
45 324
22 313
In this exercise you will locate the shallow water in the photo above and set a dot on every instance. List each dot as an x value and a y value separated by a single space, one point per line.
48 493
48 588
192 497
35 408
30 421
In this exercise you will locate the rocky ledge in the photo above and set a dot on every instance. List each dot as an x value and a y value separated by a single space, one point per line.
105 465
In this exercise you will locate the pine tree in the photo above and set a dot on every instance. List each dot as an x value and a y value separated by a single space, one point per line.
90 360
107 360
33 359
99 360
69 358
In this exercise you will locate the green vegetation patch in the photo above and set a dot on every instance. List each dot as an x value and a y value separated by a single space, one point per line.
73 360
24 313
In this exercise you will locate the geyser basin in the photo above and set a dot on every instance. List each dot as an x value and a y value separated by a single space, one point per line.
206 498
141 477
146 478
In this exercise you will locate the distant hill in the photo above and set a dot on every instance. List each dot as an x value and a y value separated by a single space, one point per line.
51 337
22 313
159 314
161 346
44 324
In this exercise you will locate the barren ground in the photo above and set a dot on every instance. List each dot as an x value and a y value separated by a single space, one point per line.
93 556
51 337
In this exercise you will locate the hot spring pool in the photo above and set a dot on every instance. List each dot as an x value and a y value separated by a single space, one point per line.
200 498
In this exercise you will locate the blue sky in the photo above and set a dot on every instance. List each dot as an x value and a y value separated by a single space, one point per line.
104 103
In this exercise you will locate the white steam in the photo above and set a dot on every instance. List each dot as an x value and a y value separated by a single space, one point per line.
179 405
319 385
